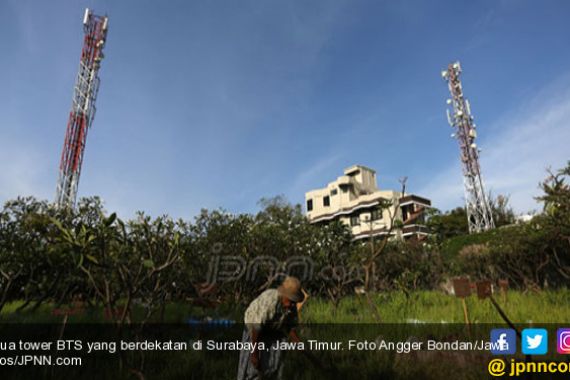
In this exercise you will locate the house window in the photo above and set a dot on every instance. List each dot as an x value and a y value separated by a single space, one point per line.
376 214
406 212
355 220
326 201
310 205
334 192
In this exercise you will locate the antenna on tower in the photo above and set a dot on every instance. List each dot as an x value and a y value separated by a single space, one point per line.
479 215
82 108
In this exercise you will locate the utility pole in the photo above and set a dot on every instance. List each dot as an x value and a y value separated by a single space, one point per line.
479 215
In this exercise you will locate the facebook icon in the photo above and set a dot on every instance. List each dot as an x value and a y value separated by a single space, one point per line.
503 341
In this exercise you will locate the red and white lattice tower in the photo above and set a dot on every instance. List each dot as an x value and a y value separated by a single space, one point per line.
479 213
82 108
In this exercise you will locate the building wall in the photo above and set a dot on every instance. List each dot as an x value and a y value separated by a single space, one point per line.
354 199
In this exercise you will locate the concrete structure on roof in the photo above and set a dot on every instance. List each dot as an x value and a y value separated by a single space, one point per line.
355 199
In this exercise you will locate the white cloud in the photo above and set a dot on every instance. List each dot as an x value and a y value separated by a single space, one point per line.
527 141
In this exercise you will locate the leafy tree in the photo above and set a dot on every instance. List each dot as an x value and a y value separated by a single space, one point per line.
502 212
446 225
50 255
531 255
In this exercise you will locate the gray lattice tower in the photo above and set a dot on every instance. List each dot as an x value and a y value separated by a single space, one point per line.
479 213
82 108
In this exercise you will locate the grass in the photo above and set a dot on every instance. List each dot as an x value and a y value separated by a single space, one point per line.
436 307
394 307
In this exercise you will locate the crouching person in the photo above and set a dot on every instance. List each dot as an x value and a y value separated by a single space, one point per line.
271 318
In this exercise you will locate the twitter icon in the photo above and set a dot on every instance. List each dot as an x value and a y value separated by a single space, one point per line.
534 341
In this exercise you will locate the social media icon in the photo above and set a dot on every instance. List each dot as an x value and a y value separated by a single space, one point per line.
503 341
534 341
563 341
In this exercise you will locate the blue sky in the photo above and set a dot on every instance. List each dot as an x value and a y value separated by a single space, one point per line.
207 104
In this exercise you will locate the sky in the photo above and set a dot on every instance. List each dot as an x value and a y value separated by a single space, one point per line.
217 104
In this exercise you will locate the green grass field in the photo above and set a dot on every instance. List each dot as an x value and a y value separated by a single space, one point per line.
423 312
392 307
436 307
